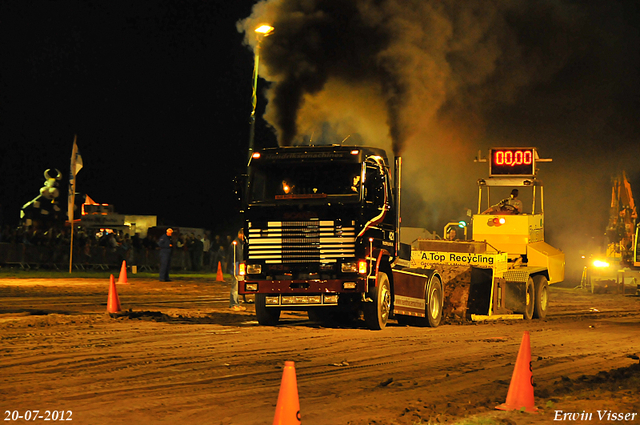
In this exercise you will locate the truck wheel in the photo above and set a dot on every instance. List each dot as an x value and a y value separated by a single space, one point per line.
376 313
433 307
266 316
529 300
542 296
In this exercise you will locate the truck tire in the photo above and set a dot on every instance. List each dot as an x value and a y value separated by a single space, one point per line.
432 305
376 313
267 316
434 301
541 287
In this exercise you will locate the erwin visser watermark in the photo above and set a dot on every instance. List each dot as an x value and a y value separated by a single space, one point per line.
599 415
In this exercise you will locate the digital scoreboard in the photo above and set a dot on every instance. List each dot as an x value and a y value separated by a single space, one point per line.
512 162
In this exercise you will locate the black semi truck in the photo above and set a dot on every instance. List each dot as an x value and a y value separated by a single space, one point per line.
322 235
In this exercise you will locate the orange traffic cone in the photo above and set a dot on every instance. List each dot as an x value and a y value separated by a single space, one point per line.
520 395
219 278
123 273
113 303
288 407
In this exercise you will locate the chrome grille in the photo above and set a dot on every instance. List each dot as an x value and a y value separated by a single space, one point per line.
313 241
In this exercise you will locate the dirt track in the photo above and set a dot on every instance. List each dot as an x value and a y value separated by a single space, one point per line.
180 356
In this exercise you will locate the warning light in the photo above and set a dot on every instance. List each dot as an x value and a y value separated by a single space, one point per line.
362 266
255 155
462 224
355 152
285 187
497 221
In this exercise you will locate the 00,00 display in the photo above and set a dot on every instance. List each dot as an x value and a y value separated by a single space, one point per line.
512 162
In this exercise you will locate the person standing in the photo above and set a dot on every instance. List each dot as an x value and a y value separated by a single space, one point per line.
198 251
236 249
206 246
165 255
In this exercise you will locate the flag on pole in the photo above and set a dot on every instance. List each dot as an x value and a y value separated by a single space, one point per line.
76 165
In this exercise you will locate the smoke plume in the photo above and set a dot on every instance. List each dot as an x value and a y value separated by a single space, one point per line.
439 80
421 58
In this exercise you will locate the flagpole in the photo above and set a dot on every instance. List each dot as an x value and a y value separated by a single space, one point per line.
71 198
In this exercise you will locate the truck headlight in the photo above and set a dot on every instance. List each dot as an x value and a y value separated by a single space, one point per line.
350 267
272 300
330 299
254 268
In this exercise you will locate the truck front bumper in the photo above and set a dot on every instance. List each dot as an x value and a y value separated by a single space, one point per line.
303 291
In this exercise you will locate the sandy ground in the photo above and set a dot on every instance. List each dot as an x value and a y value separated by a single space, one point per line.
177 355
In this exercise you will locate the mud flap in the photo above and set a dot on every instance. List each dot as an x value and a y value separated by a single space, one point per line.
467 291
480 291
515 295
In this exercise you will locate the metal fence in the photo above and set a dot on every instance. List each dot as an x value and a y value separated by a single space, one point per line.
28 256
57 257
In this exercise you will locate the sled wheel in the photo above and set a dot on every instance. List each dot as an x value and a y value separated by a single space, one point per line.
541 296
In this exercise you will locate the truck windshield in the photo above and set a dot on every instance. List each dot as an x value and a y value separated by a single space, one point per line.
280 181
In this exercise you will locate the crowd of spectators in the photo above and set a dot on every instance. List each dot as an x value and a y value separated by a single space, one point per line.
198 253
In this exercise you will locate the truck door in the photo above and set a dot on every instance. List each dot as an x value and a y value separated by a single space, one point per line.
377 207
374 190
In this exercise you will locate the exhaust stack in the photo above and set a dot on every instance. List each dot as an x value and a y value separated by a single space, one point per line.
397 183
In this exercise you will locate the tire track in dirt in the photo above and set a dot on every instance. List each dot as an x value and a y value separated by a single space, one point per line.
216 367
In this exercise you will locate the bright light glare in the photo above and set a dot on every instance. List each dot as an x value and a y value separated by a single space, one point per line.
362 267
264 29
600 264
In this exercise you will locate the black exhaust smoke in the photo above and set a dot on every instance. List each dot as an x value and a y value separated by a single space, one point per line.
440 79
318 40
425 60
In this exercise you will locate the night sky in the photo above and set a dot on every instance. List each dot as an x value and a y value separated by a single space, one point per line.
159 96
157 92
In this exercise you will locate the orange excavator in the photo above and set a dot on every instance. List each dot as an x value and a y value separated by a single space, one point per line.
622 258
621 228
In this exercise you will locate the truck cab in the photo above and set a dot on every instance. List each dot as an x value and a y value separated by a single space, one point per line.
322 235
314 216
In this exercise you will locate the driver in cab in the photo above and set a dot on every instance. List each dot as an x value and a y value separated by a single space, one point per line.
510 205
